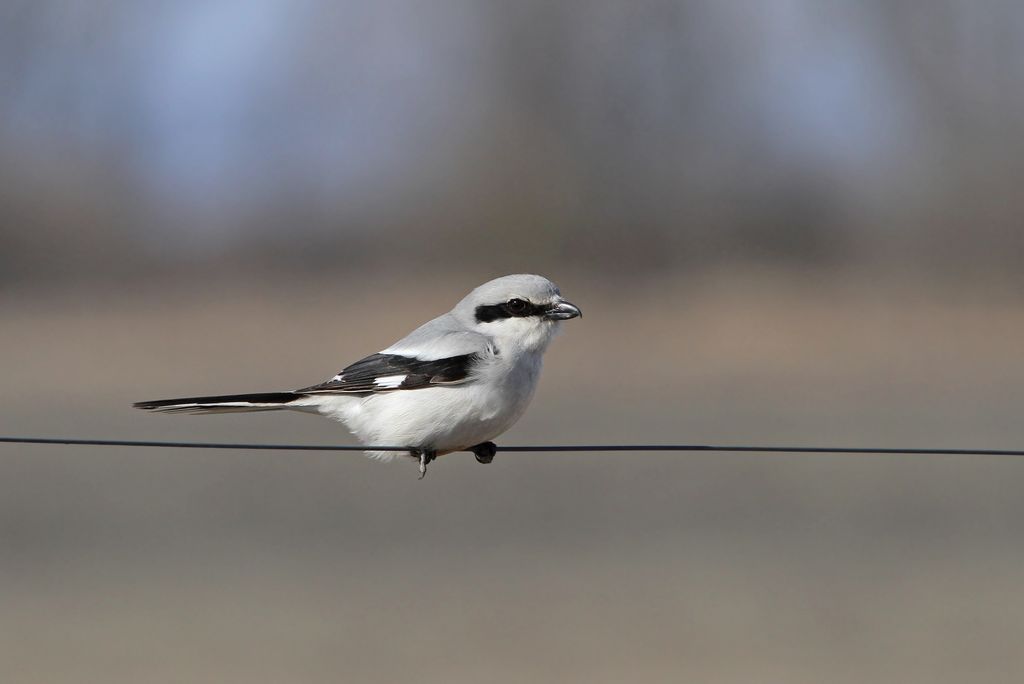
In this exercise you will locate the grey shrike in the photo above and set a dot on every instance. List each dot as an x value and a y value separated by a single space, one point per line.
453 384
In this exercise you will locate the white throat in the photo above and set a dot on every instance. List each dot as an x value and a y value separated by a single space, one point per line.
520 335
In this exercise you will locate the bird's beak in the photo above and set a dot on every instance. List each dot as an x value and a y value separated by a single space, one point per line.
560 311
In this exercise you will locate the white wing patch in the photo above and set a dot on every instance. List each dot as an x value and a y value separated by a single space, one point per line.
389 381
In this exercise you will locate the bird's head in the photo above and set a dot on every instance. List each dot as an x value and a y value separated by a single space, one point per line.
523 310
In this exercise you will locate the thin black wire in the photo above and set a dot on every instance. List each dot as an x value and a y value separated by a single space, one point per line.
521 448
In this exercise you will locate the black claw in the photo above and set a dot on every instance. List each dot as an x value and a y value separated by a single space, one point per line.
485 452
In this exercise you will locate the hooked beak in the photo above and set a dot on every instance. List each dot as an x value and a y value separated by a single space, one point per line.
560 311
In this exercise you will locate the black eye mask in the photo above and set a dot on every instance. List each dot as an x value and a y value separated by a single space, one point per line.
513 308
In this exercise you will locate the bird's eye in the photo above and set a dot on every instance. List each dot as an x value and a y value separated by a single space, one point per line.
517 306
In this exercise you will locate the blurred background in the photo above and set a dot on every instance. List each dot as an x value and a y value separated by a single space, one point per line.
792 222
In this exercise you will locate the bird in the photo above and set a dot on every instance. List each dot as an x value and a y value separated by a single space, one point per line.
453 384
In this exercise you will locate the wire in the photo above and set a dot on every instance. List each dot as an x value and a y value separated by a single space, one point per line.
521 448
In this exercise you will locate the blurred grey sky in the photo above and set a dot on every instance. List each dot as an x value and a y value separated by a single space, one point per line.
651 134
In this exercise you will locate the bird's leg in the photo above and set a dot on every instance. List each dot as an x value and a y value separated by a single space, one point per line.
484 452
426 456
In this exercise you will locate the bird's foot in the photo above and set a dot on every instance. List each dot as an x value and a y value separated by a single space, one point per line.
484 452
426 456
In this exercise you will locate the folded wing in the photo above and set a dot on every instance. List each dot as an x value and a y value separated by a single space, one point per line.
390 372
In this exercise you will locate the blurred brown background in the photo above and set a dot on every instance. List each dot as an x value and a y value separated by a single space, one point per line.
787 222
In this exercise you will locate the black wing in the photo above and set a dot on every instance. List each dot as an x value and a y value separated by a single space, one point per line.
389 372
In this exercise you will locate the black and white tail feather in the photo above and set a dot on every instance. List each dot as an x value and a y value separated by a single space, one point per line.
453 384
227 403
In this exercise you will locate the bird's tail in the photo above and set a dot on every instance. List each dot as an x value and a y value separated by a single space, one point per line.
228 403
